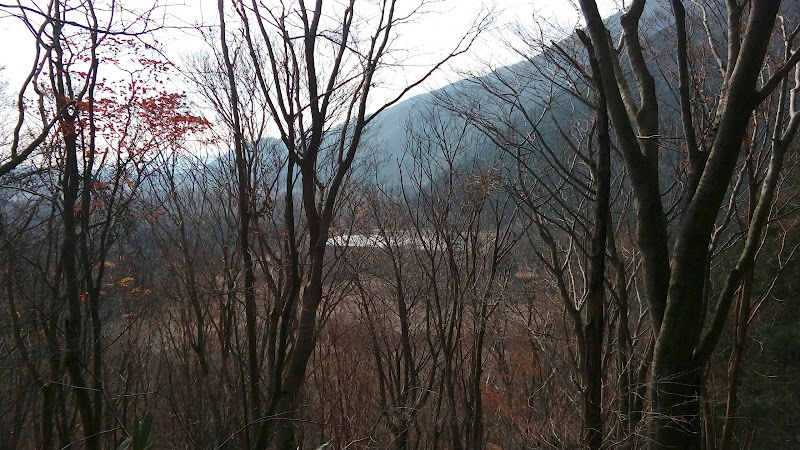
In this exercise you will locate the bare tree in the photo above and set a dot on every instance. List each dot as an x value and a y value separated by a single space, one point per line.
86 182
676 267
315 67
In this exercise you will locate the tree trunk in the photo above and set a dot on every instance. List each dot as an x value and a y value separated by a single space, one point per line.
736 361
595 303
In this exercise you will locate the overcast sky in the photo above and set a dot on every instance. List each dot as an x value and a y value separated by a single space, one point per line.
431 36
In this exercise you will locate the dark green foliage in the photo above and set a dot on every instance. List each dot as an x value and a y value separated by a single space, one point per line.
140 437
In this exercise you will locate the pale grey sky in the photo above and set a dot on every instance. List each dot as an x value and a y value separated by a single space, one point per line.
425 41
431 36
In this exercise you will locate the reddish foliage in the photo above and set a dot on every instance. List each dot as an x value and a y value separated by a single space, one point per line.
135 115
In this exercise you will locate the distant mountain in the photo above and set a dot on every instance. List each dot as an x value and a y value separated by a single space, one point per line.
529 80
537 84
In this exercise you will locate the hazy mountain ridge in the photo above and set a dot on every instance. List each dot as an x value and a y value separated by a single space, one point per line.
537 87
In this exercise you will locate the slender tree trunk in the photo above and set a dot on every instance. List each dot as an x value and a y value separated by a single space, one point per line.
476 424
736 361
243 192
73 325
595 303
